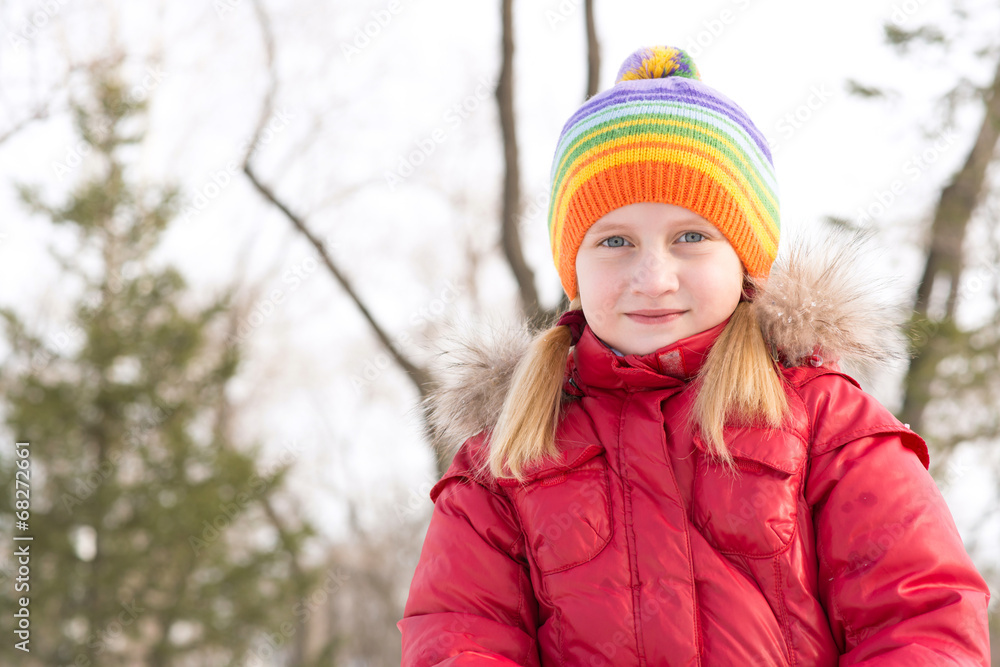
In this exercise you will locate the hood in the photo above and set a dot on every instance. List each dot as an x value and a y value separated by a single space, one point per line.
820 300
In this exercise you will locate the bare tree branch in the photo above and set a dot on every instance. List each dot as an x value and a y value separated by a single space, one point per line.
421 378
43 110
593 82
593 50
510 235
265 112
37 114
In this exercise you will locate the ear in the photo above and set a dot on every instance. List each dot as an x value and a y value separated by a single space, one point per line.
749 287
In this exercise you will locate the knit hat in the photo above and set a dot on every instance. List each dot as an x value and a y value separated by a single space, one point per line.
661 135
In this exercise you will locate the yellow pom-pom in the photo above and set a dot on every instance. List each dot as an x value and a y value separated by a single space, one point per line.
658 62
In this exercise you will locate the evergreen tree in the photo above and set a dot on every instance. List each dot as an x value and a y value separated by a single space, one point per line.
155 538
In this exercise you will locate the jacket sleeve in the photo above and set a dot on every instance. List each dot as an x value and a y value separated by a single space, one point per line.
894 576
471 601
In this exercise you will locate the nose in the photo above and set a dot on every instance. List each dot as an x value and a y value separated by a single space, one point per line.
655 274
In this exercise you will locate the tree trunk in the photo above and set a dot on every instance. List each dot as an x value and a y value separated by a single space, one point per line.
944 262
593 51
510 234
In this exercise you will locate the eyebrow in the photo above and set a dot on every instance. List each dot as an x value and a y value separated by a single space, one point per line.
612 225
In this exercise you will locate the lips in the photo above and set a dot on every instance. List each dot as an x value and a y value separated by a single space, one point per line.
656 313
659 316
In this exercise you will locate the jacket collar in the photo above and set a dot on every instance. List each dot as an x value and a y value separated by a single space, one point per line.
596 365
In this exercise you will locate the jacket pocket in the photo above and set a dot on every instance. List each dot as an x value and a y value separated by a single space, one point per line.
567 516
754 513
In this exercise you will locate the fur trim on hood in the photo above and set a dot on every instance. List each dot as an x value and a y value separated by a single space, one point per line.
820 299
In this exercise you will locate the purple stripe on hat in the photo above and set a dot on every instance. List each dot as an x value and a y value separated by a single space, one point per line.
669 88
674 109
721 106
680 90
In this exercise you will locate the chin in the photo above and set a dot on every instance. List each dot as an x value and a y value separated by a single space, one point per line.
663 342
649 345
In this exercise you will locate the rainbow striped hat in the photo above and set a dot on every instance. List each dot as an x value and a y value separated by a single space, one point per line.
661 135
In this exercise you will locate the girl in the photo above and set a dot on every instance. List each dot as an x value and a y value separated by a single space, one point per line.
678 473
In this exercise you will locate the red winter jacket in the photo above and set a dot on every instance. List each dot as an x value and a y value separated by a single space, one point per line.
834 547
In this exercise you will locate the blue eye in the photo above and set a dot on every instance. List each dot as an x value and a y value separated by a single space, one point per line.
692 237
613 242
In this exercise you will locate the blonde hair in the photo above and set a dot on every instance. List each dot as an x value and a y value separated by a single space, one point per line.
526 429
738 383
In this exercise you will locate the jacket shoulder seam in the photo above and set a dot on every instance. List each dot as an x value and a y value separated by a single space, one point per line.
810 427
842 437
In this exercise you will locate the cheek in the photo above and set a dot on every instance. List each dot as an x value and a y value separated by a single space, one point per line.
589 287
724 285
596 287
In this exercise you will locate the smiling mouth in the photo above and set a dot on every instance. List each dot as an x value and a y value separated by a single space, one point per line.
654 316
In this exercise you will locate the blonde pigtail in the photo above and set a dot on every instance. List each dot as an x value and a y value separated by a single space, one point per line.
738 383
525 431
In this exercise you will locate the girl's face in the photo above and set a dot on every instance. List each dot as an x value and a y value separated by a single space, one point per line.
651 274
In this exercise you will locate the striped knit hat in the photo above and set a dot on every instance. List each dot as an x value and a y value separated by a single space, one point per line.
661 135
